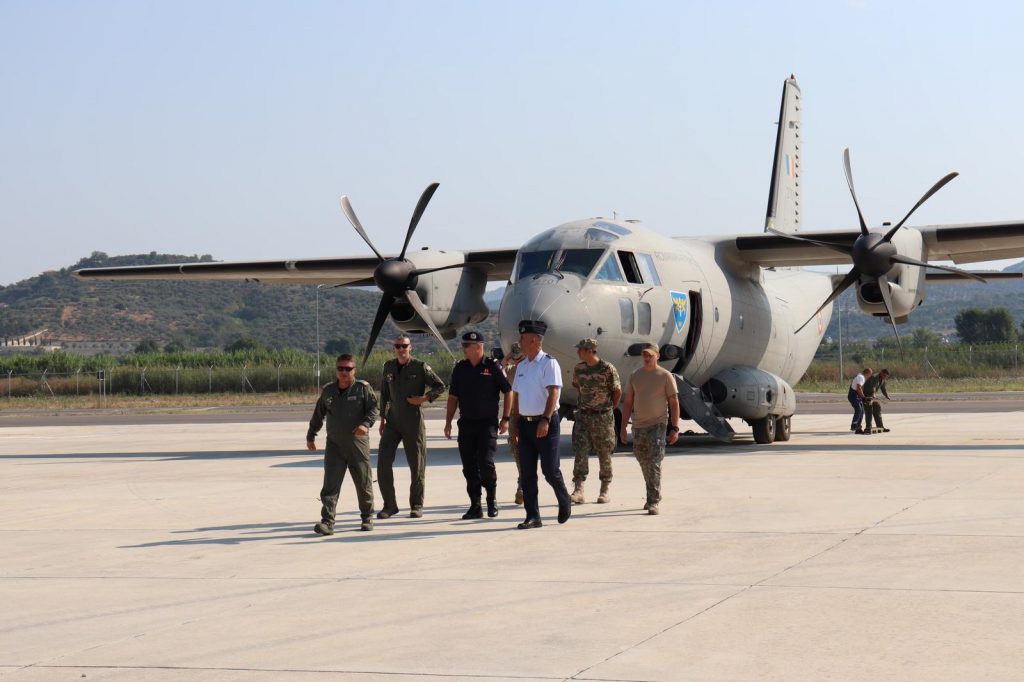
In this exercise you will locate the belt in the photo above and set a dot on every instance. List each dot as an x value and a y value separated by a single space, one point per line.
585 411
533 417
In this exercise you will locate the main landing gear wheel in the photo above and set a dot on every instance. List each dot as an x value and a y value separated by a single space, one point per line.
764 430
783 428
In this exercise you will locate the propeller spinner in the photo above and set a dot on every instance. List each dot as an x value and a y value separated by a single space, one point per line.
874 254
397 277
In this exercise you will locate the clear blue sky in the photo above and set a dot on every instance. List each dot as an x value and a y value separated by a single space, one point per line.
231 128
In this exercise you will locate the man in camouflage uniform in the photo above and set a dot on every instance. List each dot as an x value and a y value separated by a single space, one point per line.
593 432
649 391
872 404
509 366
406 384
350 406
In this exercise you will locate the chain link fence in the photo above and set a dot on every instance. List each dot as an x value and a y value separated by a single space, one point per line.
943 362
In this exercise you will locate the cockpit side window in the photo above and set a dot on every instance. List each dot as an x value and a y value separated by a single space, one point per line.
578 261
630 267
610 271
534 262
647 270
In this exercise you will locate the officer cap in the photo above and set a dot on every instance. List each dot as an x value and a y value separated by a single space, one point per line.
532 327
587 343
474 337
649 348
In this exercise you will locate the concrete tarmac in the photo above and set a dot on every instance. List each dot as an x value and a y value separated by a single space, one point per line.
185 551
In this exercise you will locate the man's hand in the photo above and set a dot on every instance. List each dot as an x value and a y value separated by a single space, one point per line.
310 445
513 438
503 426
360 430
623 435
448 430
542 428
416 400
381 429
673 437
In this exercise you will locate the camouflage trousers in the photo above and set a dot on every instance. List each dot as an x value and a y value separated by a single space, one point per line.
514 447
649 449
593 433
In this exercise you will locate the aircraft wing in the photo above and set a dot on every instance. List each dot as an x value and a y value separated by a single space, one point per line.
352 271
966 243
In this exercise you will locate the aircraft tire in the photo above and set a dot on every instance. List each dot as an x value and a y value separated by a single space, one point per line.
764 430
783 428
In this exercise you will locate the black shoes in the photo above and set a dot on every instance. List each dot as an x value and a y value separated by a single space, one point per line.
323 528
564 510
530 523
386 513
492 508
474 512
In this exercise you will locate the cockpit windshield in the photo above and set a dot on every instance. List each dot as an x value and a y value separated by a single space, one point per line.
564 261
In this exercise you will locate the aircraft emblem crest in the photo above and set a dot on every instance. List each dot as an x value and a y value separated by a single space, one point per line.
679 309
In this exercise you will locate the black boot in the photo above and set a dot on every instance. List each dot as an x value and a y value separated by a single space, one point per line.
474 511
492 502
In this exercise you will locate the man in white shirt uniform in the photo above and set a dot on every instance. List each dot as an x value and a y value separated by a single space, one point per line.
856 398
535 392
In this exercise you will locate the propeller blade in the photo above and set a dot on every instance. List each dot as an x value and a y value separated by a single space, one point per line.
851 277
841 248
849 182
421 206
421 310
346 207
383 310
963 273
927 195
427 271
883 286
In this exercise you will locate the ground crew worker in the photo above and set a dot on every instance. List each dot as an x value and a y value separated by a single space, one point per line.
474 389
509 365
407 383
350 406
593 432
649 391
856 398
872 403
535 392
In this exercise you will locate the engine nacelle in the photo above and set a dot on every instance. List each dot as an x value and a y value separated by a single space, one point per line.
751 393
454 298
907 282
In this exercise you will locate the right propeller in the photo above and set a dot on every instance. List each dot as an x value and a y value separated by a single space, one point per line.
397 277
873 254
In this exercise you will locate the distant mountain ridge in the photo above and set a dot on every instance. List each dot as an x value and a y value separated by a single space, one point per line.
214 314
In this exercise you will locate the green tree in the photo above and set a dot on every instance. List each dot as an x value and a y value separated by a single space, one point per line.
147 346
922 337
994 325
338 346
175 346
244 344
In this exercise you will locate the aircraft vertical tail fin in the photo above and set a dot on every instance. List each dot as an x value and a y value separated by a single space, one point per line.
784 196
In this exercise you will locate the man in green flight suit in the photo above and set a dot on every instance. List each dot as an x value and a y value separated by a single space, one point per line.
407 383
350 406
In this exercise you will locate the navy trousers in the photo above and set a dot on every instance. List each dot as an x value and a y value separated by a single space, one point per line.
858 408
533 449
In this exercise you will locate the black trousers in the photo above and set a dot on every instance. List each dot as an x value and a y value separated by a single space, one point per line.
478 441
545 450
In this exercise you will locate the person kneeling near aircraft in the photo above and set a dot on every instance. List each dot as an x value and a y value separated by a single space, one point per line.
872 404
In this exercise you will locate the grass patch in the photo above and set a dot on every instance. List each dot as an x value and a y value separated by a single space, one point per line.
896 385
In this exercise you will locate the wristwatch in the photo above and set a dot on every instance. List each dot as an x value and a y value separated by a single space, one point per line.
674 429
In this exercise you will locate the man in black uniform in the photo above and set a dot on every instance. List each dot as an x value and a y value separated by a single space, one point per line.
872 404
476 383
350 406
535 393
407 384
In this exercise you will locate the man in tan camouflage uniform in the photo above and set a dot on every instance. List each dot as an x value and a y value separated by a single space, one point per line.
509 365
593 432
649 391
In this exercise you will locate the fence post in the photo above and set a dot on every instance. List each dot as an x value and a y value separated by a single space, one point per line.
209 376
78 376
1014 357
176 371
10 373
279 378
142 381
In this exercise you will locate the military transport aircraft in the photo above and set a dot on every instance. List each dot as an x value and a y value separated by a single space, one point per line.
737 320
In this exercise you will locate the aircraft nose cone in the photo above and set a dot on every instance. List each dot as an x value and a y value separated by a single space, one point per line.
557 303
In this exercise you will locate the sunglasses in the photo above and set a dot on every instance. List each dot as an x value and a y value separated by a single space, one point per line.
345 369
467 344
402 345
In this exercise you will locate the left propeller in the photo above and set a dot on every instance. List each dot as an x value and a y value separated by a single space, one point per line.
397 277
873 254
